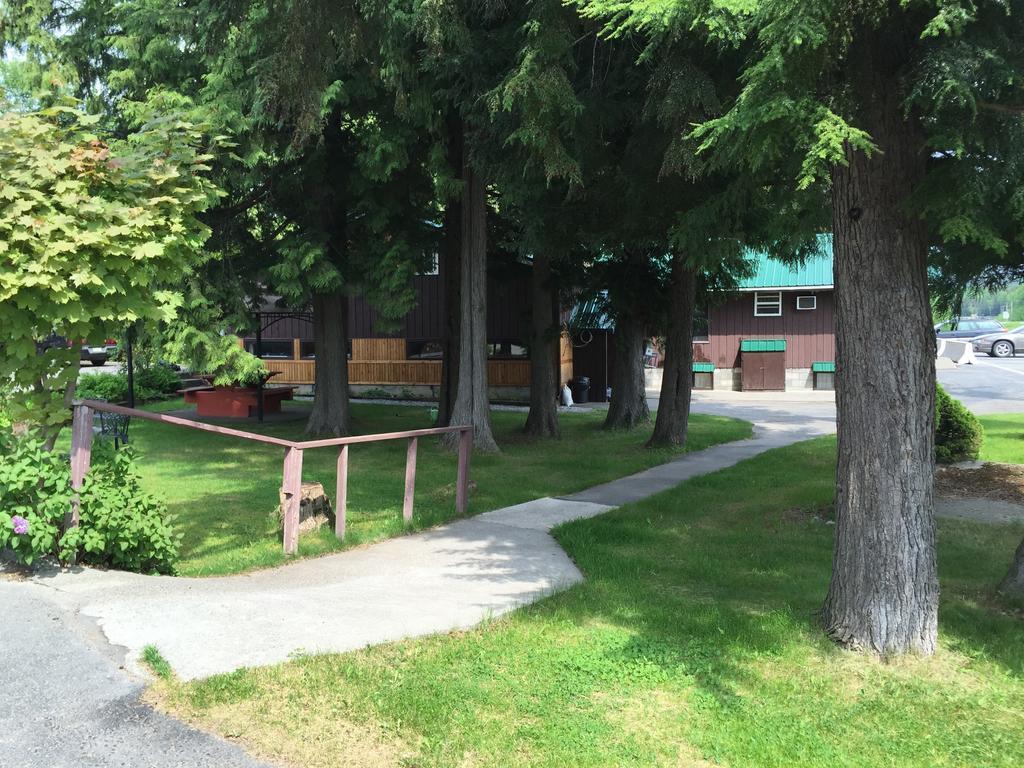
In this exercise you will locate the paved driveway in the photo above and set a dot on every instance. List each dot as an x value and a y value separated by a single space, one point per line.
990 385
66 702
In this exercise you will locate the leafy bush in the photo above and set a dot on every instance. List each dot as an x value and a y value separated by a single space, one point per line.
35 494
119 524
160 379
112 387
958 432
150 384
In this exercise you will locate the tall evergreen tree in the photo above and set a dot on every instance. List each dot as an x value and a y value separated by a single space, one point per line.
888 106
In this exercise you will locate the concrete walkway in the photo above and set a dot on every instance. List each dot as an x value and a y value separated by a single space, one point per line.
447 578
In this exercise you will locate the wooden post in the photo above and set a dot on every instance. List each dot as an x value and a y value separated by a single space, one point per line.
81 456
462 481
296 349
291 488
410 480
341 501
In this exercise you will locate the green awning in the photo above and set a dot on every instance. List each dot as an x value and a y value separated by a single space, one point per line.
763 345
823 367
703 367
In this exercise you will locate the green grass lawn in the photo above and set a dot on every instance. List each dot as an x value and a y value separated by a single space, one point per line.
693 642
1004 438
223 490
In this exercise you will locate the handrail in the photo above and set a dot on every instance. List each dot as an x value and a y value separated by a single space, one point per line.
291 487
98 405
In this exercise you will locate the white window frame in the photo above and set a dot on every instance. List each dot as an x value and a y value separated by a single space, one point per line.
768 304
814 302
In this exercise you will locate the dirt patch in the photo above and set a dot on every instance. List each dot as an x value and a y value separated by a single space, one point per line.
998 482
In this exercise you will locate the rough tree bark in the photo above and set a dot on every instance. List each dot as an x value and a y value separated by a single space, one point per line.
883 595
330 414
628 406
472 406
451 271
1012 584
542 420
673 417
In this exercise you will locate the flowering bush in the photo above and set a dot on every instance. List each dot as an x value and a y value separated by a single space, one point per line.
120 525
35 494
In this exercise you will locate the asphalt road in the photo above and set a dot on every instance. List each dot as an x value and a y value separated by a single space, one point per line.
64 703
990 385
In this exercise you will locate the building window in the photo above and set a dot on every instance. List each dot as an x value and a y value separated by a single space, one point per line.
806 302
272 349
506 349
768 304
701 328
421 349
431 266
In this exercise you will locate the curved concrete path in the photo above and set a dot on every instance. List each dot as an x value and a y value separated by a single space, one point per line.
447 578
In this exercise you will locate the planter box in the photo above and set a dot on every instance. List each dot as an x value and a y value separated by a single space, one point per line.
236 402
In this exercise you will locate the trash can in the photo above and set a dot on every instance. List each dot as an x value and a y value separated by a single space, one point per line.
580 386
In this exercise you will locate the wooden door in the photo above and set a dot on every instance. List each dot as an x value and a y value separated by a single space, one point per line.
763 371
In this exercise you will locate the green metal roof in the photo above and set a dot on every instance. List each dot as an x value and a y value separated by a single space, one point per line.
815 272
763 345
703 367
823 367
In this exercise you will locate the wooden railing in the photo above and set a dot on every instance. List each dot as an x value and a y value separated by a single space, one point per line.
291 486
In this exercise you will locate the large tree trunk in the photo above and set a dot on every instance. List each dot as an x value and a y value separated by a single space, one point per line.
451 272
1012 584
542 420
673 417
472 406
330 414
884 590
628 406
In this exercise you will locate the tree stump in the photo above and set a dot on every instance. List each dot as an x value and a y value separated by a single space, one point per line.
314 508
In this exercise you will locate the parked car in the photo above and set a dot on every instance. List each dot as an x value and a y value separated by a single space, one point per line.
98 352
1005 344
968 329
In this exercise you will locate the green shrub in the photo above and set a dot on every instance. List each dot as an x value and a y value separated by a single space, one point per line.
150 384
35 494
120 525
159 379
112 387
958 432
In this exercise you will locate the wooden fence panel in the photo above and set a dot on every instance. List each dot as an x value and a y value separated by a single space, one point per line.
378 349
508 373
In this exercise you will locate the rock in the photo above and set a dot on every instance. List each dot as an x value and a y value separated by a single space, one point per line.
314 508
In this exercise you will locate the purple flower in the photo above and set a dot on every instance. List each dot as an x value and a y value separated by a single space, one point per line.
20 525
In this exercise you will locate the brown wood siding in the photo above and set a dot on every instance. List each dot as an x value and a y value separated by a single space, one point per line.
565 371
508 311
809 335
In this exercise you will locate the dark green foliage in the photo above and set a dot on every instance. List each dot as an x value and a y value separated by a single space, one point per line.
150 384
958 432
120 525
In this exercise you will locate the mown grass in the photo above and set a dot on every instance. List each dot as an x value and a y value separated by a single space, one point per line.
693 641
223 491
1004 438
